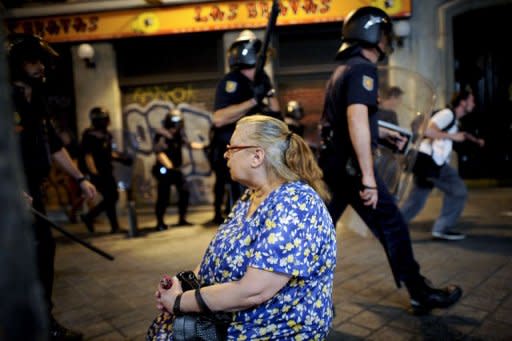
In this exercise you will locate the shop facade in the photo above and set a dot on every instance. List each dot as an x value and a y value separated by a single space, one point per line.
151 58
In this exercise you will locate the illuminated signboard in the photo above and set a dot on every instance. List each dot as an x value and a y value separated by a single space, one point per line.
213 16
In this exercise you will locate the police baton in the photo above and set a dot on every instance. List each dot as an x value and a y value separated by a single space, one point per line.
71 236
262 56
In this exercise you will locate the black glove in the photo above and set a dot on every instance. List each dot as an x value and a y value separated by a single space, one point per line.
262 90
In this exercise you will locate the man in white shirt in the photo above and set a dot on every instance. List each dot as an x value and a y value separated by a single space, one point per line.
436 147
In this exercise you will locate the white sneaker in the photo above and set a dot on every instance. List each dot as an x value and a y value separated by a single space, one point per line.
448 235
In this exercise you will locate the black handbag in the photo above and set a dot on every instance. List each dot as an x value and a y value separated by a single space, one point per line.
207 327
191 326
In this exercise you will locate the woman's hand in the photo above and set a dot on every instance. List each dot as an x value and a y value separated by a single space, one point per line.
165 297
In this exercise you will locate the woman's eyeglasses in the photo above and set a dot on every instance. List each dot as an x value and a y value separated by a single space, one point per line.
230 150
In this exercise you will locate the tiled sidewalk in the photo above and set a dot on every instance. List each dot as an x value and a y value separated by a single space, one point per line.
113 300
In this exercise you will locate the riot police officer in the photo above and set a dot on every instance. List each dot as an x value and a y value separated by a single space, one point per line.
237 96
350 133
29 57
97 157
168 143
294 113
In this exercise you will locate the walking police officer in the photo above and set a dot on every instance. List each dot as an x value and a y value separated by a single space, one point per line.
29 56
349 135
237 96
97 157
168 143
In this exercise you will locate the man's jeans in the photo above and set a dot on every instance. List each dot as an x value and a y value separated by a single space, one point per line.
454 199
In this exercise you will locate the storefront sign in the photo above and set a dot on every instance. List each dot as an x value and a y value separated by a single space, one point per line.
195 17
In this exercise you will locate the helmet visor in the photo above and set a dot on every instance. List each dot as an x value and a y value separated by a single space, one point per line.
385 46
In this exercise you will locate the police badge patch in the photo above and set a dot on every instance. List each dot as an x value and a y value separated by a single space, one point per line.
231 86
368 83
17 118
17 122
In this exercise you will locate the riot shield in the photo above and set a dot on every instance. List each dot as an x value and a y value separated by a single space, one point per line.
406 116
140 124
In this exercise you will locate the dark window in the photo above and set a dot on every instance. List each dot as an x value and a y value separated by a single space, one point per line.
180 56
307 46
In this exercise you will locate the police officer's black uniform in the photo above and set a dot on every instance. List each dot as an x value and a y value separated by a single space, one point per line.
97 142
232 89
355 81
235 88
341 169
170 144
38 142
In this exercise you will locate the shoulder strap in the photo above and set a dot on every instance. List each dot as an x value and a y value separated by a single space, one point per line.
448 127
452 122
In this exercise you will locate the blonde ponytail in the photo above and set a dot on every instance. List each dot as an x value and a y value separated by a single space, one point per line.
288 155
301 160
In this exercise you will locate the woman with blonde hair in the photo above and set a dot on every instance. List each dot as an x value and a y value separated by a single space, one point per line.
271 263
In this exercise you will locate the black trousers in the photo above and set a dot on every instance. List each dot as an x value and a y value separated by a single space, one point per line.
385 222
45 244
107 186
165 181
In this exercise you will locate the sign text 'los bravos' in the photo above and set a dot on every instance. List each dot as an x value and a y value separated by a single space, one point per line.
220 12
259 9
222 15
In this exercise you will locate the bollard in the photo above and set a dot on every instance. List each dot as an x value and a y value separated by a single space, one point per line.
132 220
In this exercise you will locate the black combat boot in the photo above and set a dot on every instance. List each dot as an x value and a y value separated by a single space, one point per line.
61 333
88 221
183 222
424 297
161 226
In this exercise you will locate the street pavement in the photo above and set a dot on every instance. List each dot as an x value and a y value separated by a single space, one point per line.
113 300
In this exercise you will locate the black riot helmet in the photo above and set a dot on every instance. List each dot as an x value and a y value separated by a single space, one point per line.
364 27
243 52
22 48
99 117
173 119
294 110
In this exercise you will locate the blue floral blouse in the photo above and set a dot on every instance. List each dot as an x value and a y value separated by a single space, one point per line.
292 233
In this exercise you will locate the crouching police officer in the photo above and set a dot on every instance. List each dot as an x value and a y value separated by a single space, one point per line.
350 133
237 96
29 56
97 157
168 142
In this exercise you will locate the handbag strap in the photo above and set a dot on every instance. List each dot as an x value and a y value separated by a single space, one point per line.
177 305
200 301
